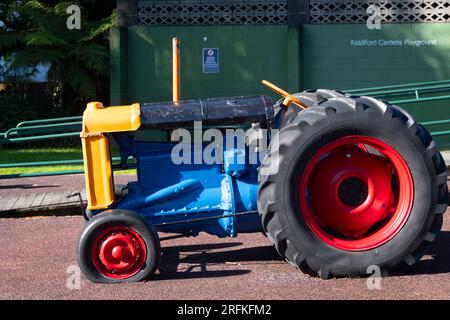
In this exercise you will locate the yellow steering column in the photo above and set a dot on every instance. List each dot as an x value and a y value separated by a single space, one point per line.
97 121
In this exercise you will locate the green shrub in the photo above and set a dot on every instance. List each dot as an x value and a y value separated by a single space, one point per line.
14 109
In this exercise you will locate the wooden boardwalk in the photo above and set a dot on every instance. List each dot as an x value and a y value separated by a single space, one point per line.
48 203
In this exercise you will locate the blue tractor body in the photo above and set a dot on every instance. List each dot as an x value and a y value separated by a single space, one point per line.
186 198
173 196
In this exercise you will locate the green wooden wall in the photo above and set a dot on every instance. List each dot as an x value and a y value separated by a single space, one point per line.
330 60
313 56
247 54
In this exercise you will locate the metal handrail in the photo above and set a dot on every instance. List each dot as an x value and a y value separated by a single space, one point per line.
56 128
50 120
57 173
42 137
412 88
45 128
418 90
403 101
435 122
417 84
47 163
432 89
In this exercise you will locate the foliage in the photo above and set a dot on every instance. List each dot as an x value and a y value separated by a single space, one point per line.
35 33
9 104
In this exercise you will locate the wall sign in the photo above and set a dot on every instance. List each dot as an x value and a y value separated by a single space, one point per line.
210 60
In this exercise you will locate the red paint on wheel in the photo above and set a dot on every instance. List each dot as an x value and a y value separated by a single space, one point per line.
356 193
119 252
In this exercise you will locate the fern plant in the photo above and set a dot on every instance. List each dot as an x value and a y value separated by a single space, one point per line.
34 33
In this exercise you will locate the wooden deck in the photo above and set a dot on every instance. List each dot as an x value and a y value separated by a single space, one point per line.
48 203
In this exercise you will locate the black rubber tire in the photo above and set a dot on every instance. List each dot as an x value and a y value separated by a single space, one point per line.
308 98
301 137
111 218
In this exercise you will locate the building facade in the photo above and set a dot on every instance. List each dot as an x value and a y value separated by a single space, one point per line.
296 44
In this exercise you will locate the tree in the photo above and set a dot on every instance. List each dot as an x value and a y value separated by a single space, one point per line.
34 33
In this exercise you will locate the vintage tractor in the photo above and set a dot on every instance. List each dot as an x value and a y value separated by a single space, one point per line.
347 182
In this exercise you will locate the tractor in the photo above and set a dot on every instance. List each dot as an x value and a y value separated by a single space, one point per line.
344 182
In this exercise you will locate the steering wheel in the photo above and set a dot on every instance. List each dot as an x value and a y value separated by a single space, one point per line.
288 98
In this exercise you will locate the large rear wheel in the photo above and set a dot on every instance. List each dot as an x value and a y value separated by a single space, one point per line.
357 182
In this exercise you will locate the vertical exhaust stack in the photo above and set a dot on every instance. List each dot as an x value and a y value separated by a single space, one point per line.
176 71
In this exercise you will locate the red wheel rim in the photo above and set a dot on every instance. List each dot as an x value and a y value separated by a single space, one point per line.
119 252
356 193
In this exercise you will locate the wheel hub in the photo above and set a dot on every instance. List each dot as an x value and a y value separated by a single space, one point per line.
348 196
351 191
119 252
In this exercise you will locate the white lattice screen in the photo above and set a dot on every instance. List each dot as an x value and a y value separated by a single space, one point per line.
212 13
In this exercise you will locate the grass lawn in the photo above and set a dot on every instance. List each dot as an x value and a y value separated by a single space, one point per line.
44 154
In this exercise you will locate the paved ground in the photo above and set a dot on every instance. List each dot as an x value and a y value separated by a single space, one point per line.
37 254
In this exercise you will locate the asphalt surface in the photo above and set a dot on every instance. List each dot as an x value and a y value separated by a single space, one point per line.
39 262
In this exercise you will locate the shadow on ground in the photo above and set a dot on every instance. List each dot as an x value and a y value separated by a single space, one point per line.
435 261
195 258
191 261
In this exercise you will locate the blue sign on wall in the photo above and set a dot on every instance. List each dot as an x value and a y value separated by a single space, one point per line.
210 60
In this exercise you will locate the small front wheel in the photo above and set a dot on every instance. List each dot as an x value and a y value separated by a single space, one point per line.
118 246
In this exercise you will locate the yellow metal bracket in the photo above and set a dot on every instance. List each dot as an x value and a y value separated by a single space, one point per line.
98 120
288 98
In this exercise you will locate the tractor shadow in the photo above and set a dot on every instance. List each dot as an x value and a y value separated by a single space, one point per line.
211 260
230 259
435 261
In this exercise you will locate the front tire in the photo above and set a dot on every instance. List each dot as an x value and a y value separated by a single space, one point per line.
118 246
358 183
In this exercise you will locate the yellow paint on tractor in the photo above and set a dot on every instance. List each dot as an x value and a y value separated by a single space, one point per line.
288 98
98 120
176 71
